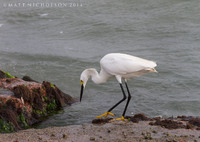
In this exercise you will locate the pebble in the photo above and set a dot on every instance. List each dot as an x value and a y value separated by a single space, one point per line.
92 139
65 136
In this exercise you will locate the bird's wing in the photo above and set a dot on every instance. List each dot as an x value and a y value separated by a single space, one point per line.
117 64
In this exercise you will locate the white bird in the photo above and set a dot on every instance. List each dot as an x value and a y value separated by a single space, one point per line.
122 67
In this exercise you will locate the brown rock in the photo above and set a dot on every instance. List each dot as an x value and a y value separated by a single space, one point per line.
101 121
30 102
169 124
11 116
195 121
138 117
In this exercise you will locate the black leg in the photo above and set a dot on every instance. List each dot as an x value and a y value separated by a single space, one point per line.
124 98
129 98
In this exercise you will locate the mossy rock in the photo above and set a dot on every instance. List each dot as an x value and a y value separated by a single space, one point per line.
52 106
6 127
5 75
23 120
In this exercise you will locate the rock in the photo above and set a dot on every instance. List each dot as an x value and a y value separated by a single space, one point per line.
92 138
2 74
27 102
28 78
138 117
169 124
11 117
61 98
5 75
195 121
65 136
101 120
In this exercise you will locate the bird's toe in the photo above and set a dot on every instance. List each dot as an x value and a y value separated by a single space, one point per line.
106 115
117 119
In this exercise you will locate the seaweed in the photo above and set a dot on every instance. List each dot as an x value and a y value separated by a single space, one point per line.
52 106
23 120
5 75
6 127
52 86
8 75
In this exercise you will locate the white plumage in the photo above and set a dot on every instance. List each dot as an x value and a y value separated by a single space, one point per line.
121 66
126 66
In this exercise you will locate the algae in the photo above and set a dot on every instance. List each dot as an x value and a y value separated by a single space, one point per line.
23 120
6 127
45 98
36 91
52 86
52 106
8 75
38 112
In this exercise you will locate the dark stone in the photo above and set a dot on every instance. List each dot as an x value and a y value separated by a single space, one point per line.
195 121
141 116
8 80
132 119
61 98
38 103
24 92
198 128
189 126
31 102
138 117
13 105
10 115
101 120
28 78
185 118
2 74
169 124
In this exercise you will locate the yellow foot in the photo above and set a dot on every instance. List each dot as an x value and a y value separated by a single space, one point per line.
122 118
106 114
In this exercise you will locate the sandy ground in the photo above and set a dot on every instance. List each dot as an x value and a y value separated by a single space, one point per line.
118 131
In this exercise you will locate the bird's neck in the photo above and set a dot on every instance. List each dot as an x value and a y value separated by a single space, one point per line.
98 77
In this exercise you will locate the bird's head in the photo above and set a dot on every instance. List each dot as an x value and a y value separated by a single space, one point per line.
85 75
83 78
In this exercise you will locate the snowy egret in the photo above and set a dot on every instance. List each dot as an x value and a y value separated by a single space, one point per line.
122 67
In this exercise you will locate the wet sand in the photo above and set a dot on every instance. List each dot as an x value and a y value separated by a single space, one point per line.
117 131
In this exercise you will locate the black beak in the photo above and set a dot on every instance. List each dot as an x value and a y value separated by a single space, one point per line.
81 93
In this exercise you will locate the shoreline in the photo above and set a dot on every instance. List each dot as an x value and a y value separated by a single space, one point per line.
119 131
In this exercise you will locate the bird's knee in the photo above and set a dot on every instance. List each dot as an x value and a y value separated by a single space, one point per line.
124 98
